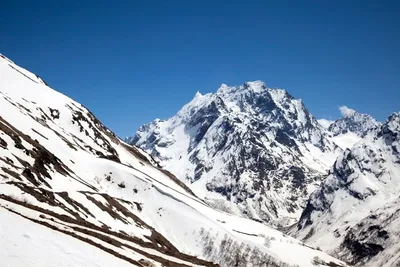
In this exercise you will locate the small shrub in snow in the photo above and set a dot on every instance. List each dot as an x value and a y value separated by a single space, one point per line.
267 242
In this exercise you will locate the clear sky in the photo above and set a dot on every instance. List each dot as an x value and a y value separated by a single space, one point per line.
133 61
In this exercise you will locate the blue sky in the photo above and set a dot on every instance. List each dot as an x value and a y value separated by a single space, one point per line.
133 61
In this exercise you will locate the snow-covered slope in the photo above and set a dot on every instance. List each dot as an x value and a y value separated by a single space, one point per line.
26 244
70 187
249 150
325 123
355 212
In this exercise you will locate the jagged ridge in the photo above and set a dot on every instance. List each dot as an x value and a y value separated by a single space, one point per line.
247 149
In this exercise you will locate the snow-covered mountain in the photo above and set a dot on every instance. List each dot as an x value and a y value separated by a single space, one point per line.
355 212
249 150
352 127
353 121
72 193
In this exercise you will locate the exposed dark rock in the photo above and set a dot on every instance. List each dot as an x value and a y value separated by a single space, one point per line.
3 143
360 250
55 113
110 157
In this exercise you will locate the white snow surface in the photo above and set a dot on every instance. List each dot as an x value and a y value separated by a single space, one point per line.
346 140
325 123
26 244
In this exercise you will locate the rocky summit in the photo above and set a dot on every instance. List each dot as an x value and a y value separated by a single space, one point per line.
249 150
259 153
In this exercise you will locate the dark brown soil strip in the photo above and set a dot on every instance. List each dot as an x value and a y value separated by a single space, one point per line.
11 173
40 134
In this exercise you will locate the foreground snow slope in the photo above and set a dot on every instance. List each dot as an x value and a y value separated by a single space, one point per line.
64 172
26 244
355 212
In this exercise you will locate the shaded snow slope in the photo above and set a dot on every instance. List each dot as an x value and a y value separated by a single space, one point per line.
354 213
325 123
65 175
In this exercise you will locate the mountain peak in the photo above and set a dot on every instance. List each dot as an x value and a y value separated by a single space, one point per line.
198 94
256 86
231 143
353 121
223 87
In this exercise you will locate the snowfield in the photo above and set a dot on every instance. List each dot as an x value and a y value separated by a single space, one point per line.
26 244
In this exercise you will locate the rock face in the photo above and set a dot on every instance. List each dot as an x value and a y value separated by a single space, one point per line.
355 212
249 150
71 188
354 122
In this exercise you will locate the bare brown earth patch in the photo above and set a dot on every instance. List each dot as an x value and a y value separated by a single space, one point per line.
11 173
41 155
